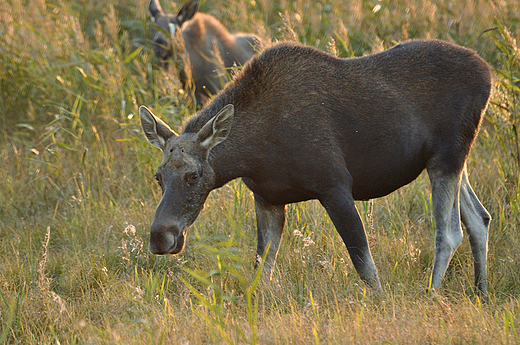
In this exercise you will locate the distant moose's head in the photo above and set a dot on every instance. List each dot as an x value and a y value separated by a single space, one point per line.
166 26
202 44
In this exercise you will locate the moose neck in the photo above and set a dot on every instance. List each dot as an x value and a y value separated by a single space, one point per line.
227 164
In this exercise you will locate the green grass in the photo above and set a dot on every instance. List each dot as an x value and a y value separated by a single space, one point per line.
75 166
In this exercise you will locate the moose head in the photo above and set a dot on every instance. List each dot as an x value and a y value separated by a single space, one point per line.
166 26
185 176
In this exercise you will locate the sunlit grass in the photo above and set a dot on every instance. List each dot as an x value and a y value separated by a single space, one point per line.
75 165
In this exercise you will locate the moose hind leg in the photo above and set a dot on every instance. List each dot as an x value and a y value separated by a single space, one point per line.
270 220
476 220
344 215
446 212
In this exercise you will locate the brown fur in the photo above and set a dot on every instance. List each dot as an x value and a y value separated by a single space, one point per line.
200 34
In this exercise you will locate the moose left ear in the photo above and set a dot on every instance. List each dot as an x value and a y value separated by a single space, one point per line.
187 11
217 129
155 8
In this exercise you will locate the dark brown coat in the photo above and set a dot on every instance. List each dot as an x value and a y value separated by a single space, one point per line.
299 124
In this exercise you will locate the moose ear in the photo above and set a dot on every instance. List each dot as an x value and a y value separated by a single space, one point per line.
217 129
157 132
155 8
187 11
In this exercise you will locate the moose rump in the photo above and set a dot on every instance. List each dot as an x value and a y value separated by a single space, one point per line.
299 124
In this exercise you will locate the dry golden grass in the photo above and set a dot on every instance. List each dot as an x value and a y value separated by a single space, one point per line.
75 167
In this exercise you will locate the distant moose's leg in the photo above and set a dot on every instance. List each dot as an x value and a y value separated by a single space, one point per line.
445 202
476 219
343 213
270 220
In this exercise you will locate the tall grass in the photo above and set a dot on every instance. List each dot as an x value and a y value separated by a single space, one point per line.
77 192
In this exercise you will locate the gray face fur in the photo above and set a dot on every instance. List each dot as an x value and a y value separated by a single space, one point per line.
185 176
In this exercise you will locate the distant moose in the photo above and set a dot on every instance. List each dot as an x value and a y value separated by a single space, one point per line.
299 124
207 45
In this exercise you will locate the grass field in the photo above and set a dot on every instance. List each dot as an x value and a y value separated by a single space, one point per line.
77 191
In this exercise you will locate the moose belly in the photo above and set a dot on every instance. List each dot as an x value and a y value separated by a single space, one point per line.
277 192
385 177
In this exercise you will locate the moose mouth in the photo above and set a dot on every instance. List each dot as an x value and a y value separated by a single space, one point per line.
178 245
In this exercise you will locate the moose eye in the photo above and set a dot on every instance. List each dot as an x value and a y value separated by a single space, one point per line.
192 177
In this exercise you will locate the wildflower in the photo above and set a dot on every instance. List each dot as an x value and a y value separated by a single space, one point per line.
130 230
325 264
307 241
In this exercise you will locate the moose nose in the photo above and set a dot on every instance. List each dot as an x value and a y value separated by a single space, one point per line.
162 239
160 41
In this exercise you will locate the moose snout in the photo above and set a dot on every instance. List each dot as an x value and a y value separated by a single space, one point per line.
161 47
166 239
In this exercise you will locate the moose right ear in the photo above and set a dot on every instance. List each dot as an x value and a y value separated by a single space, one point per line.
157 132
187 11
217 129
155 8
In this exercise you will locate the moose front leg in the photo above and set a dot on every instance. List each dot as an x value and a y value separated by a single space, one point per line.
342 211
270 220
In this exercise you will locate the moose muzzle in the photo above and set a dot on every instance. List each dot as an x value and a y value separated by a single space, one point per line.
166 239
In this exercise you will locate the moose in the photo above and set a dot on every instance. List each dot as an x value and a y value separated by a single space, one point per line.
297 124
207 46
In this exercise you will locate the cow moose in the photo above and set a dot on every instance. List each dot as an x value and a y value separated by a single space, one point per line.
297 124
207 46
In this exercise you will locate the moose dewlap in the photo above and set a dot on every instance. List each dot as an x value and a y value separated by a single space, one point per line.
298 124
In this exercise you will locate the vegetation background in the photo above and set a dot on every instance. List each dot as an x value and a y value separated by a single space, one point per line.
77 193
